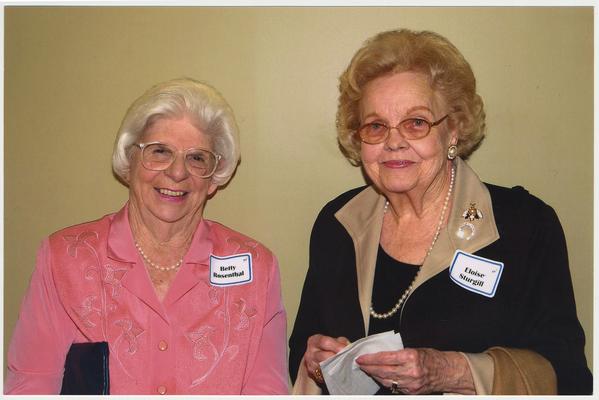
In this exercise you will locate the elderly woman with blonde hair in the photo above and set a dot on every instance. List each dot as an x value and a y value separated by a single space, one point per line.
473 276
181 304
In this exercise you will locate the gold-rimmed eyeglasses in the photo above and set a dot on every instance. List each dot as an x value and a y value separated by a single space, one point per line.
410 128
157 156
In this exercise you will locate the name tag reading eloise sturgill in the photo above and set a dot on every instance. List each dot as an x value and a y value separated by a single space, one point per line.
231 270
476 274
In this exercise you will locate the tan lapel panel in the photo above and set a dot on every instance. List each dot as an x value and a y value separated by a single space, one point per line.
362 217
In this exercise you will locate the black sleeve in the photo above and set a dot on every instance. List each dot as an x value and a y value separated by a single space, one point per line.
307 319
553 330
544 311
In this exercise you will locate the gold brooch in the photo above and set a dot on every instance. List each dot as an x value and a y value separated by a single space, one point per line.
472 213
466 231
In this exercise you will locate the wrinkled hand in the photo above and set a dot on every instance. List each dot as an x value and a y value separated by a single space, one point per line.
420 371
320 348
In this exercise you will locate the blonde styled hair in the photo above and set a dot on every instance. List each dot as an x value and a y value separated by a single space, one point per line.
202 103
404 50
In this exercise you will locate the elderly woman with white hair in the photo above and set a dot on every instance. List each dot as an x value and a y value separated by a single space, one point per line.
181 305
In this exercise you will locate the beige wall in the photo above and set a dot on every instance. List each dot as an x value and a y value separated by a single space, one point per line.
70 73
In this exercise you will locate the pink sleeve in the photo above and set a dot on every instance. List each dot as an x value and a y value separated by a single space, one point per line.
42 336
269 372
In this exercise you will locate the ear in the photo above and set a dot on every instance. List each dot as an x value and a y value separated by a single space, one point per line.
453 137
213 187
453 131
127 176
454 140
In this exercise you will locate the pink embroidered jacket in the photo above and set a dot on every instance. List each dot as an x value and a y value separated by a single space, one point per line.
90 285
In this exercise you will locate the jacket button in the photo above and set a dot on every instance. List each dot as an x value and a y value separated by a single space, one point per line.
161 389
162 345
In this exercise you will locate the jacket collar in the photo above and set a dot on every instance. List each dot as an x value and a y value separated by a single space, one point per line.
121 245
468 190
121 248
362 217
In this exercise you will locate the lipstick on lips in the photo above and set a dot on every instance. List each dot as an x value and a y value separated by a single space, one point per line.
398 163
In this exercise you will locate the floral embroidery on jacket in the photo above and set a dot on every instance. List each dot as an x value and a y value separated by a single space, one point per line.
245 246
213 294
201 342
108 278
130 332
84 241
112 277
79 241
204 350
244 315
87 309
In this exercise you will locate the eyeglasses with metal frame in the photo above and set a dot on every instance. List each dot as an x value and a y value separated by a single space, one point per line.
157 156
410 128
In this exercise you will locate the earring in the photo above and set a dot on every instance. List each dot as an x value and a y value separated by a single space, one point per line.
452 152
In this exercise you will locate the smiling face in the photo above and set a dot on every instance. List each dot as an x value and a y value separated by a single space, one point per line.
172 196
398 165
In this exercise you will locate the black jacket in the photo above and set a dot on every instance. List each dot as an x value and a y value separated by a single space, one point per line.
533 307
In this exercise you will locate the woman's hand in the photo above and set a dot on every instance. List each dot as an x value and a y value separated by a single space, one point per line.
320 348
419 371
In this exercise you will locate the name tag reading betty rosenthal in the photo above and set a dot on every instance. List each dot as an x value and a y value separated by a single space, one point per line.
477 274
231 270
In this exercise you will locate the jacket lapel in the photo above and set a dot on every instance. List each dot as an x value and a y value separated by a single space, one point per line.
121 248
195 265
468 189
362 217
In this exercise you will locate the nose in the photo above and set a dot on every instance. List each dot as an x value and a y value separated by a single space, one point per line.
395 139
177 171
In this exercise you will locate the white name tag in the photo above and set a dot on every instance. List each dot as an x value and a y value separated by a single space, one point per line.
477 274
231 270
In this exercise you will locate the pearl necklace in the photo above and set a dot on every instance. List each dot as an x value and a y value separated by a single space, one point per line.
404 296
154 265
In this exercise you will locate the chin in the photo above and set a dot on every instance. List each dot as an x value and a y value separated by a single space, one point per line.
169 216
169 219
395 186
396 189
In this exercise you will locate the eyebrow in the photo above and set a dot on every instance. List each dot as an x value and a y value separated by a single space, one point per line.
175 147
408 111
417 108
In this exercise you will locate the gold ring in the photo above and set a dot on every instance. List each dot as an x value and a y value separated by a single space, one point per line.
318 375
395 388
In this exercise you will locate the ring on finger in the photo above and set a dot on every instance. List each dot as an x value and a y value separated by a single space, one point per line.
395 388
318 375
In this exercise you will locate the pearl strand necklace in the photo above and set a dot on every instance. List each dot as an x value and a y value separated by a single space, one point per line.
154 265
404 296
